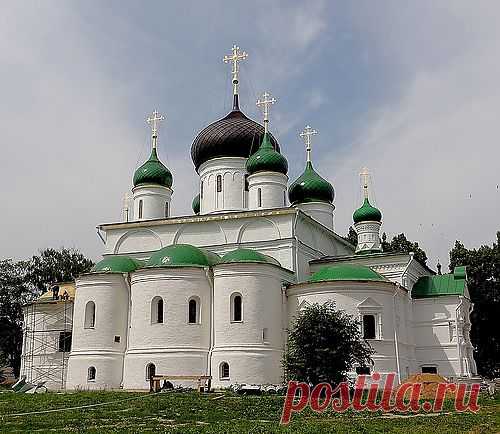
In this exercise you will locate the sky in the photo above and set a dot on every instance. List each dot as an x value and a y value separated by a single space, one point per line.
408 90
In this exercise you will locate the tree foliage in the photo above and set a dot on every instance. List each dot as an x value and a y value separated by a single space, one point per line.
323 345
401 244
53 265
352 236
22 282
13 294
483 279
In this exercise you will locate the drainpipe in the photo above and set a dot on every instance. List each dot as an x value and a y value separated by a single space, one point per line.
210 277
98 230
396 347
127 279
296 257
459 351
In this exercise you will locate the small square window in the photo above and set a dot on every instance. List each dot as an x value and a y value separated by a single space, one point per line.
117 339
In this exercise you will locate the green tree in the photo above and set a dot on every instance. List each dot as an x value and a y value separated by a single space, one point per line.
483 280
401 244
53 265
352 236
323 345
13 294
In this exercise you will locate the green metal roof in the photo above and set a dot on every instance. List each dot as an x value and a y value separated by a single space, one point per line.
367 213
153 172
182 255
267 159
310 187
441 285
196 204
346 272
116 264
248 255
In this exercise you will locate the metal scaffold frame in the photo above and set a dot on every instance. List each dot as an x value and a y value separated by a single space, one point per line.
41 360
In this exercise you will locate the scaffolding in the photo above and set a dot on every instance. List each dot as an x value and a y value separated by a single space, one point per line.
47 341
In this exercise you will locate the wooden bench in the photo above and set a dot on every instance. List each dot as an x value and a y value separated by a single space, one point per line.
154 381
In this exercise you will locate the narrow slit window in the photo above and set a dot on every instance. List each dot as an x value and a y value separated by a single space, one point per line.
166 209
219 183
140 208
91 374
89 315
193 312
259 197
236 308
369 326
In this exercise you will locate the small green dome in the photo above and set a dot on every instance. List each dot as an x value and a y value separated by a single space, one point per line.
116 264
182 255
267 159
196 204
153 172
367 213
248 255
310 187
346 272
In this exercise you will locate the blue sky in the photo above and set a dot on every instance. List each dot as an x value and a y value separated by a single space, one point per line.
408 90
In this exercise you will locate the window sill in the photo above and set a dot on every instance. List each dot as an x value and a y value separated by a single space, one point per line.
236 322
194 323
89 328
224 379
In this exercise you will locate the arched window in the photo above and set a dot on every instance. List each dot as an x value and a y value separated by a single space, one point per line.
224 371
150 371
89 322
259 197
236 308
246 182
369 326
219 183
157 310
140 208
166 209
194 310
91 374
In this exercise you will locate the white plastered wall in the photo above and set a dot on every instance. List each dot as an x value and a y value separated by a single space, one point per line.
153 198
272 187
96 346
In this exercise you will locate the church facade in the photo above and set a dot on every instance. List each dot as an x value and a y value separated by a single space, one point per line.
213 293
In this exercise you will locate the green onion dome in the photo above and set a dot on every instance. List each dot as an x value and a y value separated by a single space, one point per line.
267 159
248 255
182 255
346 272
367 213
310 187
196 204
116 264
153 172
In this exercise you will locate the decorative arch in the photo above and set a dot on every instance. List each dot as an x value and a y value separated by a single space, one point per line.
140 240
208 233
258 230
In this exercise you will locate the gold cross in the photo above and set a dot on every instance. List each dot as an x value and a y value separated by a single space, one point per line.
154 120
306 136
265 103
235 57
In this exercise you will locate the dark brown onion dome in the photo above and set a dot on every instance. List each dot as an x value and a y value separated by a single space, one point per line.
235 135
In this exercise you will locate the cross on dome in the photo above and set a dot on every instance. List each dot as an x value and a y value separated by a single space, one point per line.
235 57
265 104
365 176
306 136
154 120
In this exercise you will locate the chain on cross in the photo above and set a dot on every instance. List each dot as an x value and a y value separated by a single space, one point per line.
306 136
235 57
265 104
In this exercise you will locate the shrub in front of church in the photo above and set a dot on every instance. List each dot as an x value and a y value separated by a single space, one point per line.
324 344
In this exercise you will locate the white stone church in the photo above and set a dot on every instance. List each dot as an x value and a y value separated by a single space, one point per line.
213 293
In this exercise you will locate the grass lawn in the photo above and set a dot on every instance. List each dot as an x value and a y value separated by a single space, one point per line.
191 412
